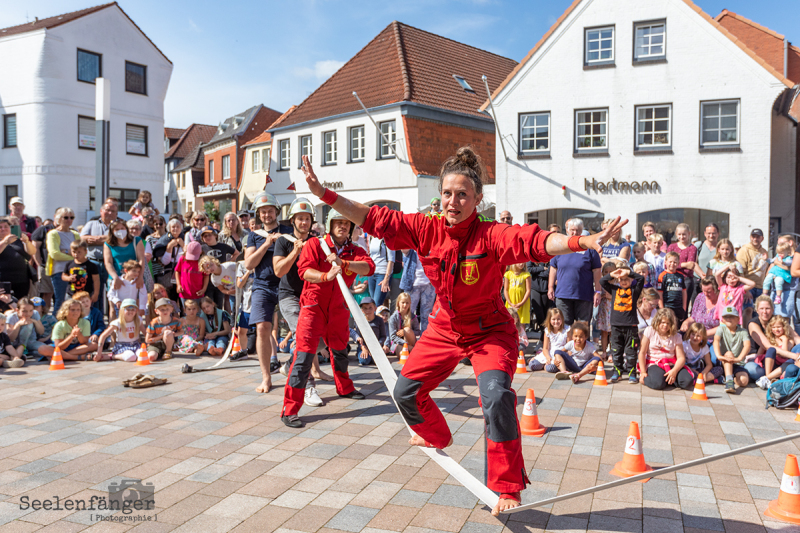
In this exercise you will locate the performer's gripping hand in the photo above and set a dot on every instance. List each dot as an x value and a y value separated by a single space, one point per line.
313 183
597 240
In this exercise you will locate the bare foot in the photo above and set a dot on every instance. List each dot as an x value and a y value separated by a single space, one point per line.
265 386
322 376
503 504
575 378
416 440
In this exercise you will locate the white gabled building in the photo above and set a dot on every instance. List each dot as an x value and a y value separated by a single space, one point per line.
47 104
652 111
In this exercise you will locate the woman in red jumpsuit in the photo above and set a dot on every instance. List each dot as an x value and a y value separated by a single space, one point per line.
464 256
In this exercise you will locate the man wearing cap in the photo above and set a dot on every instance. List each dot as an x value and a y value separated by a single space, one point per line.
323 312
16 208
754 259
258 257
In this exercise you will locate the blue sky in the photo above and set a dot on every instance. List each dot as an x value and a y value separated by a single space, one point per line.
231 55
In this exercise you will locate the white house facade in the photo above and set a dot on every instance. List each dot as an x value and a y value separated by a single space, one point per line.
649 111
47 103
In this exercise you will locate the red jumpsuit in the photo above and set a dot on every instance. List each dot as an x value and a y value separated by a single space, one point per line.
465 263
323 313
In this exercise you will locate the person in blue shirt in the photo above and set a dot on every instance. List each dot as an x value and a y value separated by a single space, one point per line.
572 277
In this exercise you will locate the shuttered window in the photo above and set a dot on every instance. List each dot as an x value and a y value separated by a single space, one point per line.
135 139
87 133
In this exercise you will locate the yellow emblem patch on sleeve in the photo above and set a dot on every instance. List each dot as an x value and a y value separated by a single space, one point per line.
469 272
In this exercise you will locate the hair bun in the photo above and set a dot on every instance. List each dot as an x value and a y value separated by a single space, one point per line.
467 157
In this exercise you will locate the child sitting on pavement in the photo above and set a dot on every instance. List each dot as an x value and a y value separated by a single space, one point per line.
579 357
193 328
661 356
218 327
731 347
556 336
127 327
698 354
403 327
162 331
27 329
10 356
379 329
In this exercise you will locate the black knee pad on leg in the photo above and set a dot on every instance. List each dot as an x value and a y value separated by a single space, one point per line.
498 403
301 370
339 360
405 395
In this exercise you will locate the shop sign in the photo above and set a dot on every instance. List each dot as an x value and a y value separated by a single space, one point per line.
217 187
334 185
620 186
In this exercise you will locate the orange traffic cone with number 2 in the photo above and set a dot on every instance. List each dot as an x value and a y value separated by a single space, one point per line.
529 424
633 461
787 507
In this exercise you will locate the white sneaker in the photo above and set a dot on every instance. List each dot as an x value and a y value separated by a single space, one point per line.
312 399
763 382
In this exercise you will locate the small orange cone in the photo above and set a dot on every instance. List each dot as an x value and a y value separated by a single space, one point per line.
600 376
529 424
633 461
797 417
699 388
787 507
404 354
236 346
57 362
142 359
521 368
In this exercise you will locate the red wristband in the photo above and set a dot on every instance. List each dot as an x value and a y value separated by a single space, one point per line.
574 244
329 197
345 265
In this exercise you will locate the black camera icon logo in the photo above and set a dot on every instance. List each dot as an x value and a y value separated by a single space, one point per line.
128 495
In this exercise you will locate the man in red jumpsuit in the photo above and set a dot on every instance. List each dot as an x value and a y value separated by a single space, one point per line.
464 256
323 312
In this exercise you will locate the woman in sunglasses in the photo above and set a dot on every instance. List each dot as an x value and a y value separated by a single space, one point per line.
58 253
199 221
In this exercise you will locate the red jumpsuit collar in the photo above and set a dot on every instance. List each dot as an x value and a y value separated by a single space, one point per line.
462 228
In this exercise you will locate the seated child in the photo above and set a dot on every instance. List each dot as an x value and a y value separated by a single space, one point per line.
698 355
579 357
403 327
661 356
10 356
97 323
47 320
70 334
193 328
778 334
127 329
731 347
379 329
779 271
556 336
162 331
27 328
218 327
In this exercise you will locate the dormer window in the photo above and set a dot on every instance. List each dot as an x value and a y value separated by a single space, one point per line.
464 85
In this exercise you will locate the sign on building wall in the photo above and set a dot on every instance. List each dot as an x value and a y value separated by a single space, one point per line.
620 186
214 188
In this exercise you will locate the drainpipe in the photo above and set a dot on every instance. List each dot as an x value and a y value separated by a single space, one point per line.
494 116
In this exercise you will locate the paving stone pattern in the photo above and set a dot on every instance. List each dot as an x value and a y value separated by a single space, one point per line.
219 458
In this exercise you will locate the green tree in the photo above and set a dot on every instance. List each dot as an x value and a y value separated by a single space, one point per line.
212 211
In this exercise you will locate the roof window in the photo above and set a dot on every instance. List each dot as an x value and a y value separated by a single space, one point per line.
464 85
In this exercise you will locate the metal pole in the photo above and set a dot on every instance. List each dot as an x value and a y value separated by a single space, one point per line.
385 137
102 117
654 473
494 116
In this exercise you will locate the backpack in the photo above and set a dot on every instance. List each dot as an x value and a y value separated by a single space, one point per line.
784 393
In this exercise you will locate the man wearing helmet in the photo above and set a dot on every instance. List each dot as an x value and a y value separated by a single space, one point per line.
301 216
323 312
258 257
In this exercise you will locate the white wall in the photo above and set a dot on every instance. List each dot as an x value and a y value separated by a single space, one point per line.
702 64
40 85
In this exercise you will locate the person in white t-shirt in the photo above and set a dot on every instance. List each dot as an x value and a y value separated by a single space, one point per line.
127 328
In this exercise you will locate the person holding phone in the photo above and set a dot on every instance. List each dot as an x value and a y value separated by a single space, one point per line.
15 252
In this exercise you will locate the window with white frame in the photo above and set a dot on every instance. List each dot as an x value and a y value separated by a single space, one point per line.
135 139
388 139
599 45
719 123
265 159
210 170
330 147
651 41
653 126
305 149
357 147
87 135
591 130
534 133
255 153
285 160
226 167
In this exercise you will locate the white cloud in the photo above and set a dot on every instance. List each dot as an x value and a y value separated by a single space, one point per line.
194 26
322 70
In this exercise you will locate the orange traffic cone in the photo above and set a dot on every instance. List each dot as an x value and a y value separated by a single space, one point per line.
521 368
600 376
530 418
404 354
633 461
787 507
699 388
57 362
797 417
236 346
142 359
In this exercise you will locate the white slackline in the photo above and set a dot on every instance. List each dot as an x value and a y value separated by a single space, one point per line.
654 473
390 379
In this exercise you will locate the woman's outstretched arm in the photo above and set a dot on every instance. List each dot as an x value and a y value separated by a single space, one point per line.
558 244
354 211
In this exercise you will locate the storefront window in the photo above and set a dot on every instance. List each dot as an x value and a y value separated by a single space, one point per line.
665 221
592 220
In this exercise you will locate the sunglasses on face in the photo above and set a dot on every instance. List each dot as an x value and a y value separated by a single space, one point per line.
159 224
65 217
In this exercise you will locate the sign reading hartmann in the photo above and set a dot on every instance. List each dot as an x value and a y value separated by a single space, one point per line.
620 186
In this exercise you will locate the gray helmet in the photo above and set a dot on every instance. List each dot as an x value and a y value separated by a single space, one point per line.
333 214
300 205
265 199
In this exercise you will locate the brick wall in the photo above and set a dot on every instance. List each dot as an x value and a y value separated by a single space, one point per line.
431 143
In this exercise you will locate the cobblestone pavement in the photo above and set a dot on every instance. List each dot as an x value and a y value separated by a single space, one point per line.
220 459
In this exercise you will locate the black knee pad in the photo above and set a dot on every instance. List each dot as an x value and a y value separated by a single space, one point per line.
339 360
405 396
498 403
300 370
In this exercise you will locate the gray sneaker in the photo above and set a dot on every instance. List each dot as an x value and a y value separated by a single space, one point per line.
730 387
